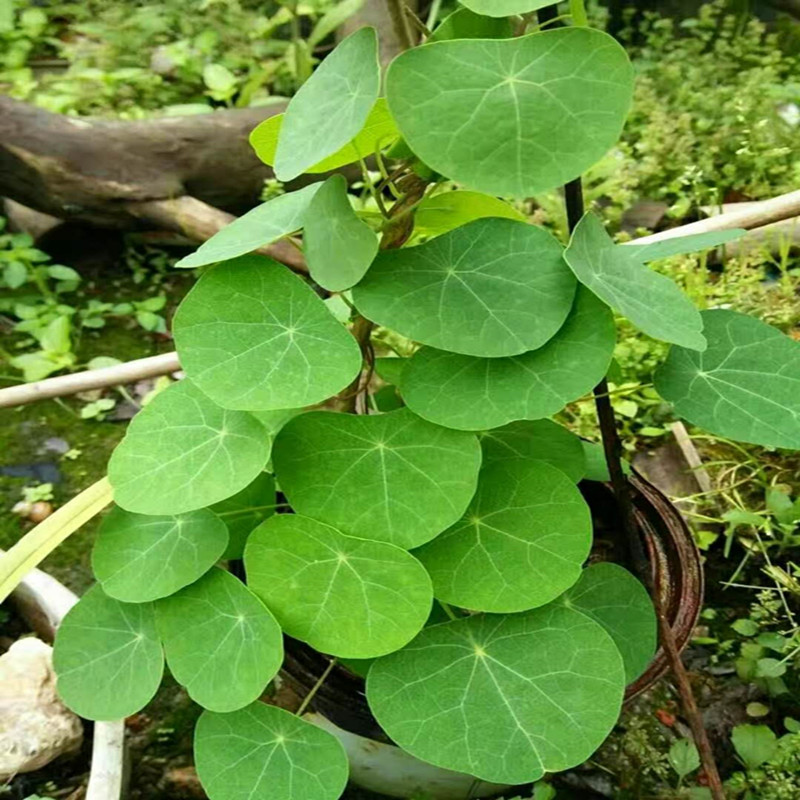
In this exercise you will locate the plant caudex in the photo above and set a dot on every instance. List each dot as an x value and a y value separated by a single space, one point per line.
467 494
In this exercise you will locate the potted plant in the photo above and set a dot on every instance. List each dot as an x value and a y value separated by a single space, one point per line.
467 492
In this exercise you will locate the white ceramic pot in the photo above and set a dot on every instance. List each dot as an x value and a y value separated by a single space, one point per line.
386 769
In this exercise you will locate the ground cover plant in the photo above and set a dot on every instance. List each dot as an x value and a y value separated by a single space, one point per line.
470 476
133 59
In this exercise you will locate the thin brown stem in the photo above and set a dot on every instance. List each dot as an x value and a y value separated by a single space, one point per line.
612 447
417 22
400 23
690 707
354 394
315 688
398 228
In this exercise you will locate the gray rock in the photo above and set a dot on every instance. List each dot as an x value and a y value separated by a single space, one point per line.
35 726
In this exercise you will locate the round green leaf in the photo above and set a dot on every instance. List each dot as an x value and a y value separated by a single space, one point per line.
379 131
478 393
615 599
331 107
754 744
504 8
504 698
221 642
252 335
107 657
259 227
683 757
339 247
520 545
523 115
543 440
244 510
348 597
265 752
390 477
183 452
446 211
171 551
745 386
494 287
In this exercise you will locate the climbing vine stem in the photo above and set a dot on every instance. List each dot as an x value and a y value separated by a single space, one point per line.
315 688
612 447
577 11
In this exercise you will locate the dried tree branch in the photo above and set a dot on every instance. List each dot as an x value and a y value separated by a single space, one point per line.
774 210
200 221
118 375
755 215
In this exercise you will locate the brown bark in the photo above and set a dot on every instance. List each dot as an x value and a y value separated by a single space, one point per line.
93 169
199 221
377 14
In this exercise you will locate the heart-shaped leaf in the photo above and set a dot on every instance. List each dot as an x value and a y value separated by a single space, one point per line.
379 131
615 599
344 596
542 439
252 335
331 107
523 116
479 393
339 247
495 287
504 698
618 276
107 657
242 512
504 8
520 544
265 752
221 642
745 386
466 24
444 212
182 452
257 228
172 551
390 477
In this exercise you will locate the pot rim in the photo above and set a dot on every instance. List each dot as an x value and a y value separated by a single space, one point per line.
675 561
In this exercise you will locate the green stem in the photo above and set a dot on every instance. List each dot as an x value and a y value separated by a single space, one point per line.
577 11
555 20
417 22
448 610
295 28
433 14
315 688
372 189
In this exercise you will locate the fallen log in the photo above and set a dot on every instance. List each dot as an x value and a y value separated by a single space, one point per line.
183 174
94 170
